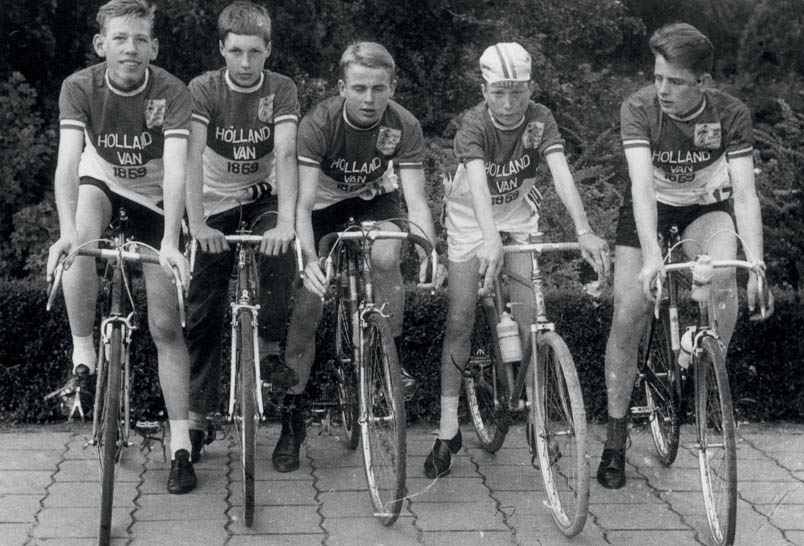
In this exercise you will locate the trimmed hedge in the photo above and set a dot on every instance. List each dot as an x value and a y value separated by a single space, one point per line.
765 358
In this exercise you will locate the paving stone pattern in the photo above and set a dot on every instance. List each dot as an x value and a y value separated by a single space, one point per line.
49 494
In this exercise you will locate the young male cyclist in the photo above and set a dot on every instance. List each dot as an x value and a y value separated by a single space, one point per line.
242 139
500 143
132 122
345 146
689 152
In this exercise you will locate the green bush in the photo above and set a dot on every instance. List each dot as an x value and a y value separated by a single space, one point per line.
765 358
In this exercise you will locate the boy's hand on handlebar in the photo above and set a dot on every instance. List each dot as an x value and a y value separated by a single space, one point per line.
63 247
211 240
490 257
651 269
169 255
595 251
314 279
277 240
753 295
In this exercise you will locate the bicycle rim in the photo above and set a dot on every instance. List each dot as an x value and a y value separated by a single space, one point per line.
109 434
383 430
559 421
247 412
717 455
347 379
660 383
484 385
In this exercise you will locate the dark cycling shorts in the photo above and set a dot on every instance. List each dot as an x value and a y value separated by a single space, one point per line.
145 225
335 217
667 216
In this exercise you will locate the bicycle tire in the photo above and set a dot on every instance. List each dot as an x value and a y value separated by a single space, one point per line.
248 415
383 430
484 386
348 403
660 381
559 420
109 433
717 459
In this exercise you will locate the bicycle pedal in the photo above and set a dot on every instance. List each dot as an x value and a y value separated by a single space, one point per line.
147 428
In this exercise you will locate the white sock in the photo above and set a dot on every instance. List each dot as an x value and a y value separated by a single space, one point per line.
84 352
448 426
179 436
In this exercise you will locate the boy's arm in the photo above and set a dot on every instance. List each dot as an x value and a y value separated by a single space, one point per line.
491 253
210 239
640 171
71 143
277 240
175 161
748 215
314 279
421 221
593 248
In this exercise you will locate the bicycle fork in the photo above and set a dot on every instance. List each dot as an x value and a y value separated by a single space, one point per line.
237 308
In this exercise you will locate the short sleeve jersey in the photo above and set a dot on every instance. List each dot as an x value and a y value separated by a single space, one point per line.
240 123
511 155
690 156
125 131
352 158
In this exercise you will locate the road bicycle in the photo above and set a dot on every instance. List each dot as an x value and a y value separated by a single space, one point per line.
556 429
111 414
671 365
369 382
245 408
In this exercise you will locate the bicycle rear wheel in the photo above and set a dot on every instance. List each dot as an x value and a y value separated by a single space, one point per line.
247 415
559 422
108 431
660 380
717 455
347 378
383 430
483 383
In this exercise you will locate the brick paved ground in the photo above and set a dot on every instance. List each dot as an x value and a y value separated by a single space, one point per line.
49 495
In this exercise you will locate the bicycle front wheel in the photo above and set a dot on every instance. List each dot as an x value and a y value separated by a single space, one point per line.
383 428
660 380
347 378
483 383
559 421
108 431
247 414
717 451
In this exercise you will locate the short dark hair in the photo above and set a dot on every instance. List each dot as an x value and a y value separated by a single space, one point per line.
684 45
141 9
370 54
244 18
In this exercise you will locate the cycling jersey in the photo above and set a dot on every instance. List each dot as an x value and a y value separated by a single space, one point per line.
689 155
352 158
125 131
511 156
240 132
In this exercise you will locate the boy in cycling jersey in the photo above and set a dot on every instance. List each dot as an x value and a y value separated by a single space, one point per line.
345 147
689 152
499 144
132 121
241 169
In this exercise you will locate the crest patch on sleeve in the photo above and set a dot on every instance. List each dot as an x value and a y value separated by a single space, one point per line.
388 139
155 113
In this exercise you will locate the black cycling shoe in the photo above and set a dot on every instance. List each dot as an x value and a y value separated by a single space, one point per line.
408 384
199 439
611 472
277 373
76 393
285 457
439 461
182 476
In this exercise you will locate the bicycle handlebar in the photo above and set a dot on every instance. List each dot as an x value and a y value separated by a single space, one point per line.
330 239
540 247
250 240
756 267
115 254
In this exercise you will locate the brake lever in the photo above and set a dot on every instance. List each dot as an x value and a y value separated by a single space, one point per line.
53 286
